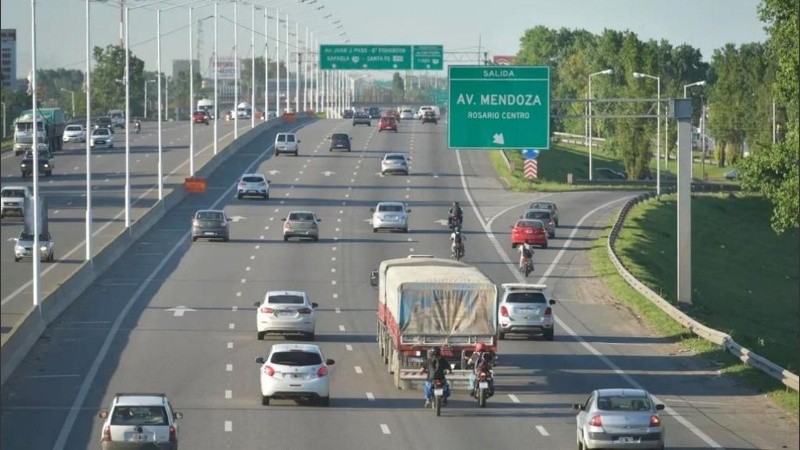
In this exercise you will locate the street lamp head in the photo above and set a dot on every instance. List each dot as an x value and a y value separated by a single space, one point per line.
607 72
701 83
638 75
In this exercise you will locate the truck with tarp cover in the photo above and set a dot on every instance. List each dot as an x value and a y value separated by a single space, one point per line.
432 302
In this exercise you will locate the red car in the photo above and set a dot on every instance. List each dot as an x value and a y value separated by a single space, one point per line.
387 123
200 117
532 232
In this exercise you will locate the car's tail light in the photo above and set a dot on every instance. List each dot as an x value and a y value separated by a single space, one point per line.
267 310
655 421
596 421
106 433
504 311
322 371
269 371
304 310
548 311
173 434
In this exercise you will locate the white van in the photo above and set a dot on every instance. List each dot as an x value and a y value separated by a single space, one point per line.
244 110
207 105
286 143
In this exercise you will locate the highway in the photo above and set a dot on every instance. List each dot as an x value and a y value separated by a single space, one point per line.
124 335
66 196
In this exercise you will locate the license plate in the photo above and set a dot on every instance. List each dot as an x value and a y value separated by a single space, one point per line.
209 233
285 313
139 437
252 191
438 392
626 439
483 385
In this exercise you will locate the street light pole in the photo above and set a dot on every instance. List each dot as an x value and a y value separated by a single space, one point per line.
297 68
253 66
235 70
145 96
287 64
277 63
88 84
191 99
158 64
72 97
591 140
216 75
36 250
658 128
685 91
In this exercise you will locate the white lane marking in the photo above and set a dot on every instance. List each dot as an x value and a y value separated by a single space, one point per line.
230 344
228 394
252 257
228 426
348 347
69 203
336 229
338 310
229 367
68 375
239 294
333 269
231 326
333 258
234 308
247 269
262 237
358 369
243 281
370 397
385 429
334 249
513 398
333 281
411 249
335 295
56 211
339 219
671 400
512 267
341 327
257 247
542 431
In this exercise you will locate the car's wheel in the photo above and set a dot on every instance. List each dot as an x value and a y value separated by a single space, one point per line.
552 236
544 246
16 259
405 230
513 245
239 196
52 257
374 230
501 336
261 335
310 336
324 401
316 238
194 238
226 239
265 400
49 173
295 153
266 196
285 238
549 335
23 174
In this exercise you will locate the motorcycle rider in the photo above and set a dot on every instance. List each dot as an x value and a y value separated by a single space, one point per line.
456 215
435 367
525 256
137 124
481 360
457 239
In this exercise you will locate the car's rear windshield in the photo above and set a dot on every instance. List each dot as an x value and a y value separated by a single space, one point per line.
13 193
530 223
301 217
390 208
285 299
74 128
252 179
296 358
103 131
526 297
623 403
209 215
395 157
139 415
537 215
337 137
541 206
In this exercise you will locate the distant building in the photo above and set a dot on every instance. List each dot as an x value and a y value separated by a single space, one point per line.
8 57
180 67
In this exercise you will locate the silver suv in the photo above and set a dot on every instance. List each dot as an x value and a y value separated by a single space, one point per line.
525 309
140 420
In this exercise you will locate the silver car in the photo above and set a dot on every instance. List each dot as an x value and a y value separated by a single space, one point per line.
301 224
394 163
285 312
24 247
546 205
102 136
525 309
140 421
545 216
619 419
74 133
390 215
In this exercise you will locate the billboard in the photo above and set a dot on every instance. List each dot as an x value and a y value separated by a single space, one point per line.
226 68
503 60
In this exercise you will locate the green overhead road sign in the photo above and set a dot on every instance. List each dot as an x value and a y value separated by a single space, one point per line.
497 107
428 57
381 57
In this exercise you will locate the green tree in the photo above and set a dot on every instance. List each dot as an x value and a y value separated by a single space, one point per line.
398 87
108 77
16 101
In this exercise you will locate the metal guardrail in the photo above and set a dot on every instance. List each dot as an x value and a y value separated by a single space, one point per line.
746 356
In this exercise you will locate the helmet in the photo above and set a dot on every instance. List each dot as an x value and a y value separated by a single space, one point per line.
436 351
480 346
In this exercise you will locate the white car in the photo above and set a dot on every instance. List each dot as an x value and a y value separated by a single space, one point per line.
394 162
140 421
286 312
390 215
13 200
253 184
286 143
102 136
296 371
74 133
406 114
525 309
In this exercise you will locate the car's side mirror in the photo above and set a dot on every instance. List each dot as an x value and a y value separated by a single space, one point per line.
552 302
319 220
408 210
330 362
260 360
578 407
283 219
659 407
103 414
373 278
178 415
257 304
315 305
372 210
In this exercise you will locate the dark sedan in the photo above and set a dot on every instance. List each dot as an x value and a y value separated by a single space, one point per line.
210 224
340 141
361 119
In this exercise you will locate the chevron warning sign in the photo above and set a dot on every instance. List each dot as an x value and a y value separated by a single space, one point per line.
531 167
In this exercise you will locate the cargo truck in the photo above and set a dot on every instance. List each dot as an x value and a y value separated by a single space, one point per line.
50 130
426 302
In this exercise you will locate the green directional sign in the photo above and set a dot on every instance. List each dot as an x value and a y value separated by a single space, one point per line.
365 57
428 57
498 107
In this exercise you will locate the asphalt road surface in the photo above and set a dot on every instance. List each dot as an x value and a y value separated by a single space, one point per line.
123 334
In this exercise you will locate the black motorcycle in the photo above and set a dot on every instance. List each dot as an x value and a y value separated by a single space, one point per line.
455 221
438 388
484 386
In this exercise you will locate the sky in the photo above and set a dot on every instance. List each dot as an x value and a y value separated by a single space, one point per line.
458 25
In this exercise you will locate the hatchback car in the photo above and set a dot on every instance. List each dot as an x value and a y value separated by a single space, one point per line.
340 141
394 163
361 118
140 421
102 136
525 309
200 116
23 248
295 371
387 124
406 114
104 122
390 215
548 206
545 216
210 224
285 312
74 133
26 166
287 143
620 418
301 224
253 184
529 231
